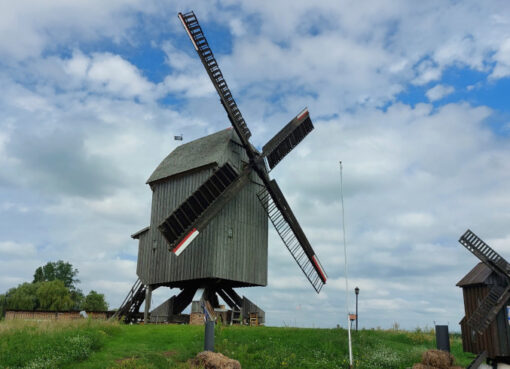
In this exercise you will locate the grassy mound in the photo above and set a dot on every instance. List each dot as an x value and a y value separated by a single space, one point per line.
94 345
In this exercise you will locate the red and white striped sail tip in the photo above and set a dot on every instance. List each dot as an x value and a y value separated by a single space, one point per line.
303 114
187 30
185 242
319 268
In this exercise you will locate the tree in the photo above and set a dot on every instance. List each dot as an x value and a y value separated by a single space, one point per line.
57 270
77 297
54 295
94 302
3 303
22 297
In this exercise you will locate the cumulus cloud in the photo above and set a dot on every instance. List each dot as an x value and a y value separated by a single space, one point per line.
105 72
439 91
502 58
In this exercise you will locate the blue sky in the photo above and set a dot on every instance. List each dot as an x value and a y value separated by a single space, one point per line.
411 96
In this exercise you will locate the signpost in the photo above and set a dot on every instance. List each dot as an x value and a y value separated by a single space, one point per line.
346 278
356 291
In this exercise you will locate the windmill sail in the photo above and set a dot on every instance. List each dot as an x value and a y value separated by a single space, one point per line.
292 235
274 151
288 138
185 223
485 253
196 35
489 308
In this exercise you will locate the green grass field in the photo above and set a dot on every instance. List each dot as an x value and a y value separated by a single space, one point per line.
92 344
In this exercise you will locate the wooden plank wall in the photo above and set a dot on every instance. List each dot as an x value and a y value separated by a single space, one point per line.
489 341
53 315
233 246
249 307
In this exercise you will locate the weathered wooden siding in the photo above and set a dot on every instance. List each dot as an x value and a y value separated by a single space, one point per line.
495 341
249 307
232 247
144 249
162 312
54 315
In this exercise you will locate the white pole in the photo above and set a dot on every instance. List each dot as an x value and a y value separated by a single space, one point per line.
346 278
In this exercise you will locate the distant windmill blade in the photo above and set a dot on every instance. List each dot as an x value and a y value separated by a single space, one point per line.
292 235
485 253
196 35
193 215
288 138
489 308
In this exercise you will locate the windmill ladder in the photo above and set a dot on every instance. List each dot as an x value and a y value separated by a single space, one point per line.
131 304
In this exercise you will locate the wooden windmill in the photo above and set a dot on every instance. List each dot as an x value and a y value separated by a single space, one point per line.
211 201
486 290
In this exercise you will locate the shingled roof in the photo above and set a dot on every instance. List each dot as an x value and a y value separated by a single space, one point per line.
198 153
478 275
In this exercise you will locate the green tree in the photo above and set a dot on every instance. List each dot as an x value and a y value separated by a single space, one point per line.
22 297
94 302
60 270
3 303
54 295
77 297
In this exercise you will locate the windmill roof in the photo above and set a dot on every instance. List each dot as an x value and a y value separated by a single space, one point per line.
204 151
139 233
478 275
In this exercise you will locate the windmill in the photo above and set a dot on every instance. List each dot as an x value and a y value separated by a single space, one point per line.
486 290
206 237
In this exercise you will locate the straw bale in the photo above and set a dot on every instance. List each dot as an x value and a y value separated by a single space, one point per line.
214 360
423 366
437 358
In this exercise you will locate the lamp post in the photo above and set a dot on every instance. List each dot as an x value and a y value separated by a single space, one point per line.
356 291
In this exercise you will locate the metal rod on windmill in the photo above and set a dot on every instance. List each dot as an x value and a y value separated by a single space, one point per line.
346 275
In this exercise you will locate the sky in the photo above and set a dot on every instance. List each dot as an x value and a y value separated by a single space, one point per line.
411 96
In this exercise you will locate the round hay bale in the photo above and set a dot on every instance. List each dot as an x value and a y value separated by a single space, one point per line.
214 360
437 358
423 366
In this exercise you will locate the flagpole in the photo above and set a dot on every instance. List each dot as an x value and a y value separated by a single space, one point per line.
346 277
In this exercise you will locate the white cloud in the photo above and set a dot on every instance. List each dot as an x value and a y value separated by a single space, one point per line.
9 249
53 23
439 91
502 58
105 72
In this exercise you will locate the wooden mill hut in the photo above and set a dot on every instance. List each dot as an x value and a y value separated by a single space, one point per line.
233 247
496 338
230 253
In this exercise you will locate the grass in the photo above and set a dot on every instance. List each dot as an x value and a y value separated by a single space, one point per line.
89 345
41 345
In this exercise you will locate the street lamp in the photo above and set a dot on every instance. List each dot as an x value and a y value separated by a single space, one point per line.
356 291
